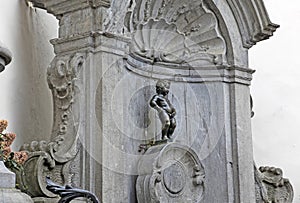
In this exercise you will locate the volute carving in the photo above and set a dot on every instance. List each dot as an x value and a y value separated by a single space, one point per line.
63 81
53 158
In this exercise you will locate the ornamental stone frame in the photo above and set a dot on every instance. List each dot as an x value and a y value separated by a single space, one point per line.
109 55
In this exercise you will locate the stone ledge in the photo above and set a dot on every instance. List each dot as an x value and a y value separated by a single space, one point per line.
91 41
13 195
186 73
60 7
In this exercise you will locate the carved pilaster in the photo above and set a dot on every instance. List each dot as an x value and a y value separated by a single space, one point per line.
80 33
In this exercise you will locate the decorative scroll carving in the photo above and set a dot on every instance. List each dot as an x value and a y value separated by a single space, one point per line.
170 173
271 186
69 193
39 165
62 76
53 158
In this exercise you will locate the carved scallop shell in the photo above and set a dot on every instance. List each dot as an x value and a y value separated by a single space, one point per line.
159 41
177 31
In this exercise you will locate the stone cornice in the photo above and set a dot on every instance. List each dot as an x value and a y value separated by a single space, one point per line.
92 41
251 15
60 7
119 45
186 73
253 21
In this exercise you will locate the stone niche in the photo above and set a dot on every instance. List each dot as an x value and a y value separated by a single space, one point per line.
109 55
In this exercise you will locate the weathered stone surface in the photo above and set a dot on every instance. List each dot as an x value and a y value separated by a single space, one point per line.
247 12
170 173
13 196
102 78
8 178
271 186
8 193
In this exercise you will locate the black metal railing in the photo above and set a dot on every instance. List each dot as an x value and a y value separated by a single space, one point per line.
68 193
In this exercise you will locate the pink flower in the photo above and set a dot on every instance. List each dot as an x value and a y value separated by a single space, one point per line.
3 125
8 139
21 157
6 151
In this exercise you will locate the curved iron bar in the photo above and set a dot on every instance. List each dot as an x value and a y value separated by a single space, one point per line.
68 193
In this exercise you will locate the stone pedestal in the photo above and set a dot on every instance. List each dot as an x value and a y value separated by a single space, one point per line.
8 192
8 178
170 173
109 55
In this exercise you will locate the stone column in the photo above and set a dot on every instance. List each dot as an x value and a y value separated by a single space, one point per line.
84 52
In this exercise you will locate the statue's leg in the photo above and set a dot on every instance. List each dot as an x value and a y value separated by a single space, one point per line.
165 122
172 127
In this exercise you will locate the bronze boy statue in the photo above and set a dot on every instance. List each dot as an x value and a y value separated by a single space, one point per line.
165 109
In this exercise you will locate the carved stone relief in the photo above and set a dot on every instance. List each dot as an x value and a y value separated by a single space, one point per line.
63 80
160 41
182 32
271 186
170 173
253 20
180 41
53 158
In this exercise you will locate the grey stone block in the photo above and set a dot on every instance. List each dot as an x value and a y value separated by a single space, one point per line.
7 178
